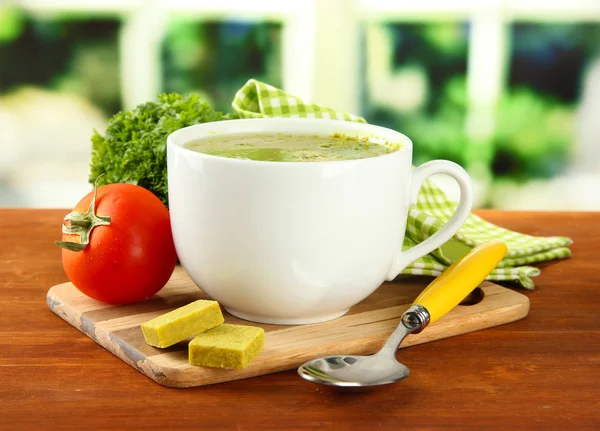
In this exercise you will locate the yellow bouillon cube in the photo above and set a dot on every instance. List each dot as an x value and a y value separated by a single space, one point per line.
182 323
227 346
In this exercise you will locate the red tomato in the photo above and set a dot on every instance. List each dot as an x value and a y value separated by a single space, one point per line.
132 257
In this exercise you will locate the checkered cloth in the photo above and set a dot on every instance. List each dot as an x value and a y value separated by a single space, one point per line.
258 100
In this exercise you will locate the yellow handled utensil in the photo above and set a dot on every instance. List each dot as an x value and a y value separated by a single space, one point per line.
456 282
441 296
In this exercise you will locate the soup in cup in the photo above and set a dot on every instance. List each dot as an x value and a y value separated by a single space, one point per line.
294 221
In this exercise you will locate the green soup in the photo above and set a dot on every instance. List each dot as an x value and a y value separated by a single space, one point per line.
290 147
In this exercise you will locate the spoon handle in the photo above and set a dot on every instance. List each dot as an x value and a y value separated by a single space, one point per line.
456 282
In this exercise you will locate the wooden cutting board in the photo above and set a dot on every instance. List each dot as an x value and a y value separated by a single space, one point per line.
362 331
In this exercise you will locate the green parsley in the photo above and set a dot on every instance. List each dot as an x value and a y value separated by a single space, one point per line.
133 148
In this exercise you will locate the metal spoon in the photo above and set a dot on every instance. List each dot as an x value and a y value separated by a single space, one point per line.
441 296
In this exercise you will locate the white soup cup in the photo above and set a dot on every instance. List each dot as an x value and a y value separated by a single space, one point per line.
297 242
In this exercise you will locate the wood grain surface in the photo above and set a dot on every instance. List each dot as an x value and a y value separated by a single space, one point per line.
539 373
362 331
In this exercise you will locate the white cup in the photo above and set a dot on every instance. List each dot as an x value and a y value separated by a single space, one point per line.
297 242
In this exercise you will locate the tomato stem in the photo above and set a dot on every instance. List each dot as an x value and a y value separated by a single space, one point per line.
82 224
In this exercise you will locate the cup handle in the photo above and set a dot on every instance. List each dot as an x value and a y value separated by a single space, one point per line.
465 204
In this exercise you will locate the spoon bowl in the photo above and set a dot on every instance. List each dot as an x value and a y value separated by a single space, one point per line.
353 371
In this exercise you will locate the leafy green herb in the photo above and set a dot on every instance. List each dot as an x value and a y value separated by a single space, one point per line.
134 146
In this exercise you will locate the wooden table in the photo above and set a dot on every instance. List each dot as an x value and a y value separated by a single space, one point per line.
539 373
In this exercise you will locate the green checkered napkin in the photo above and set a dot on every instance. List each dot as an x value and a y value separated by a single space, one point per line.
258 100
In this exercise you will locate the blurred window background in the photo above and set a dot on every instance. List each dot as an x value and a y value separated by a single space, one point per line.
509 89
